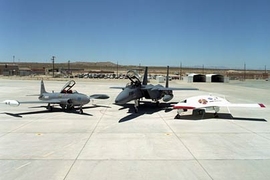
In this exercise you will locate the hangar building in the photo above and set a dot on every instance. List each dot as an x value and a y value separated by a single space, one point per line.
206 78
214 78
196 78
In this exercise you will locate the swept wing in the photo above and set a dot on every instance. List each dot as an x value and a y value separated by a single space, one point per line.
171 88
199 102
17 103
192 106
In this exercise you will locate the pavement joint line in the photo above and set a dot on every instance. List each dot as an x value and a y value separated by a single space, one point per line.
250 131
186 147
13 131
153 160
84 145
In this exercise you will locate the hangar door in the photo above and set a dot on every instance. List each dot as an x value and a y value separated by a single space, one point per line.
217 78
199 78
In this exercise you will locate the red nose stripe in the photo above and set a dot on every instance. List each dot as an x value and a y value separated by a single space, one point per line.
262 105
183 107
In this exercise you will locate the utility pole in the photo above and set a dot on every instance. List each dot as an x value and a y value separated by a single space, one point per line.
244 71
53 57
117 69
180 72
265 76
69 68
203 69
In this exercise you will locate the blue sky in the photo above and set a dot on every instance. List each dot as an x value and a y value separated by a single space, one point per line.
225 33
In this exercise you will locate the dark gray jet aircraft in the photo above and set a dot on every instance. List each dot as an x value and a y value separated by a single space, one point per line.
135 90
66 98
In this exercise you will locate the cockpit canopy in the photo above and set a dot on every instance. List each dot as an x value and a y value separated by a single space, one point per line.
134 77
67 87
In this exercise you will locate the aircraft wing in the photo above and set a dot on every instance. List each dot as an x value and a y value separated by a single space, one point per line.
184 106
192 106
99 96
260 105
171 88
17 103
117 87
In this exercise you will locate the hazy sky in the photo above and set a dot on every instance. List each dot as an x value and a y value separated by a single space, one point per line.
147 32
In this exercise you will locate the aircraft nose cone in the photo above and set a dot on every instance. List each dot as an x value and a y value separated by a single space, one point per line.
117 100
122 98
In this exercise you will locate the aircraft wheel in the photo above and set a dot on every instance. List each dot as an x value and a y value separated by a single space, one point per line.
136 110
69 107
63 106
177 116
81 111
200 112
50 108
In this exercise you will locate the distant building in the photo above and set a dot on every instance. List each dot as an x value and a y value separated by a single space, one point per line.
25 71
216 78
242 75
38 71
196 78
9 69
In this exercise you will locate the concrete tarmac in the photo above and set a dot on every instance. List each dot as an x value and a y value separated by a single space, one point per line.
111 142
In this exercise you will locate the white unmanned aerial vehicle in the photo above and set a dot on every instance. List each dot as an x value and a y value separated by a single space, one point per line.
208 103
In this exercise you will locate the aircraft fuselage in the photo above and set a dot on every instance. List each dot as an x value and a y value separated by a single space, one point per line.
150 91
128 94
74 99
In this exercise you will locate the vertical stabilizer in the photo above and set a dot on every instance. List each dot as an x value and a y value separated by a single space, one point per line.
42 87
145 76
167 78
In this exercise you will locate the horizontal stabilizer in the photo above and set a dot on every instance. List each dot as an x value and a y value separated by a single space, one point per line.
117 87
172 89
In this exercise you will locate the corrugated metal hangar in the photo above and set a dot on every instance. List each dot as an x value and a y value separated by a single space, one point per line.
205 78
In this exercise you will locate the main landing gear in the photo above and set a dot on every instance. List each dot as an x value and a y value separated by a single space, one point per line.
49 107
196 111
177 116
179 111
136 105
157 103
68 107
81 110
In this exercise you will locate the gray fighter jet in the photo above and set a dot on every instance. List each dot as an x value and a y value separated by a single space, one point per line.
137 90
67 98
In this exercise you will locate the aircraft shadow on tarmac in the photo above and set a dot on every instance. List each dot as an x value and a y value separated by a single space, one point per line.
227 116
55 110
144 108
